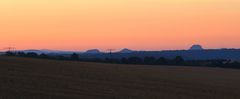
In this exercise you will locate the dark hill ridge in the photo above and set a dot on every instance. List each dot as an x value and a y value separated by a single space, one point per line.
233 54
197 54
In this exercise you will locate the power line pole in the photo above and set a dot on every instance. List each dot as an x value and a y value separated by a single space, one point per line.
10 49
110 51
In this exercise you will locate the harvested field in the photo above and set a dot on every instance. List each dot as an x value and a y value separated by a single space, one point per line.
25 78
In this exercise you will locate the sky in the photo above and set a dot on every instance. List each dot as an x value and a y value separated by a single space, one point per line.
116 24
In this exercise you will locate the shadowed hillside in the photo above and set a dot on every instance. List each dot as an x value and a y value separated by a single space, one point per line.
25 78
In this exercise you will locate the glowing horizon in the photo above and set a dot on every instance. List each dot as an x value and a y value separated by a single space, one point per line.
133 24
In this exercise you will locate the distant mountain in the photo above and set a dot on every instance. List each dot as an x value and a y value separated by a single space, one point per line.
196 47
46 51
125 50
32 51
209 54
196 52
93 51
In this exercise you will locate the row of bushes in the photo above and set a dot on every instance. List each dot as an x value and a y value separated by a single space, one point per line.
178 60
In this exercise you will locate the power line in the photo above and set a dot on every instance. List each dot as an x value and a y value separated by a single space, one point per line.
10 49
110 51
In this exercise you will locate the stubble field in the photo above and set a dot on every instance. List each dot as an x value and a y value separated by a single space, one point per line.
25 78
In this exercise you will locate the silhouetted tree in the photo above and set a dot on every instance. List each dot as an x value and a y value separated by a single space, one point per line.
161 61
134 60
9 53
60 57
178 60
234 64
21 54
124 60
43 56
149 60
74 56
96 60
217 63
196 63
112 60
32 54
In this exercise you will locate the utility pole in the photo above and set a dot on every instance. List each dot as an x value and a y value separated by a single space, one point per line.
10 49
110 51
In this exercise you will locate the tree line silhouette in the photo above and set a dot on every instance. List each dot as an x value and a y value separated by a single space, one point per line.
177 61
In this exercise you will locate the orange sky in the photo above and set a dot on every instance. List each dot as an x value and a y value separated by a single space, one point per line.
103 24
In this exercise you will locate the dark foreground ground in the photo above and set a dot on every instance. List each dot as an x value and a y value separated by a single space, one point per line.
22 78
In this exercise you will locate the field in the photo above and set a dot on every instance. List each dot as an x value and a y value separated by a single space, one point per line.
23 78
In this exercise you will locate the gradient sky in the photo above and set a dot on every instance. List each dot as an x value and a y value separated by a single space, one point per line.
135 24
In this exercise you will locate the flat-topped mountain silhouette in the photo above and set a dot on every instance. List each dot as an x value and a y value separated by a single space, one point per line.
196 47
125 50
93 51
